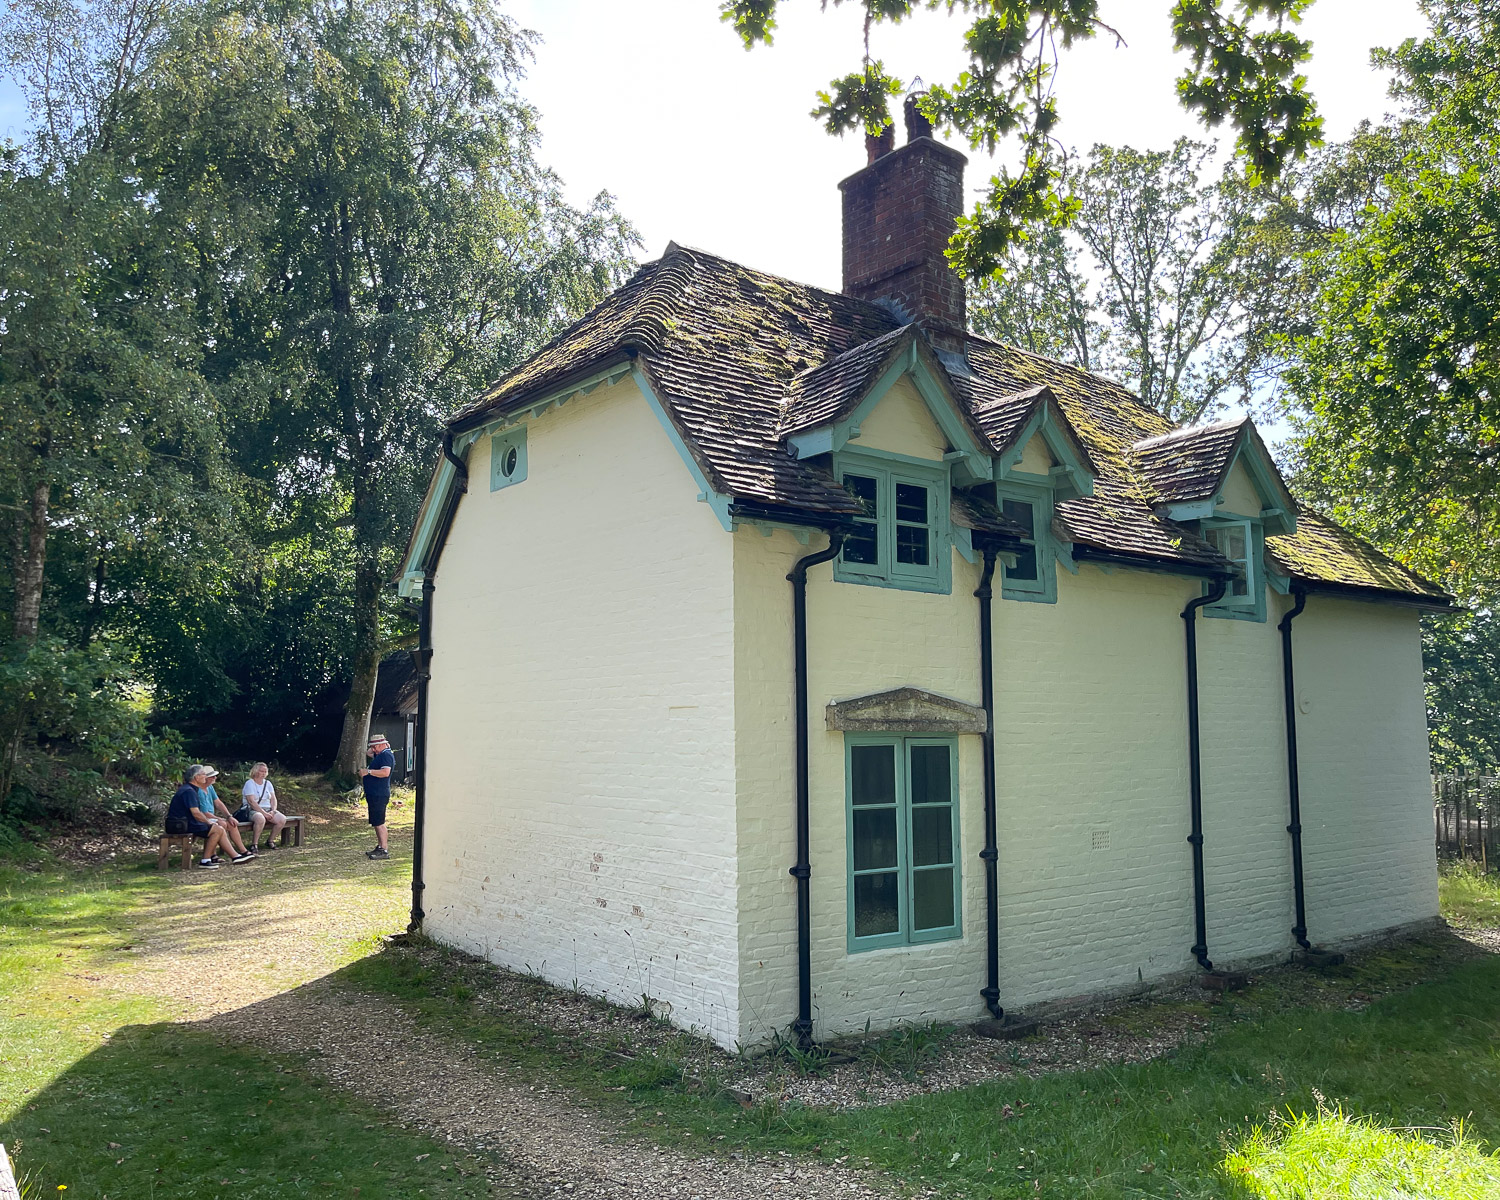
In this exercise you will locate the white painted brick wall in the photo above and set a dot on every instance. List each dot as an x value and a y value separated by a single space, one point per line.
611 757
1091 736
581 781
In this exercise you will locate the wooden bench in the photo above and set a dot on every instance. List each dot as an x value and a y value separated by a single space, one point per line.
292 830
168 843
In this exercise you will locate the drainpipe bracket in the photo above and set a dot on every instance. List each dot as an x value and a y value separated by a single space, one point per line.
1195 839
989 854
800 871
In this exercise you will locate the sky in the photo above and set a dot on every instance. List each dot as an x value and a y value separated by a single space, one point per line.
710 145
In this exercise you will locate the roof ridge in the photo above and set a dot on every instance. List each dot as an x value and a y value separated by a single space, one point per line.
1191 431
843 297
657 303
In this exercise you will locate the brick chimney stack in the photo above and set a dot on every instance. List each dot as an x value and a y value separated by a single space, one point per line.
899 213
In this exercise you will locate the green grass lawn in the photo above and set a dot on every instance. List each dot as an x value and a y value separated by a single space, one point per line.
103 1094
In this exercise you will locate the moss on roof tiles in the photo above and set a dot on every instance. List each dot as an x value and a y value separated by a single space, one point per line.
725 346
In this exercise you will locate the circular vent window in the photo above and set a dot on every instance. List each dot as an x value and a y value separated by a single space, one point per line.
508 465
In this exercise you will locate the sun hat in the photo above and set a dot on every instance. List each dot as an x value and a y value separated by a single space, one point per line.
211 772
377 738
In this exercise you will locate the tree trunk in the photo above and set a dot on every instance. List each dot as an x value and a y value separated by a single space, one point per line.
33 560
351 754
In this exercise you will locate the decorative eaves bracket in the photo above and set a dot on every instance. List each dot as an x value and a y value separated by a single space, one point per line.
905 710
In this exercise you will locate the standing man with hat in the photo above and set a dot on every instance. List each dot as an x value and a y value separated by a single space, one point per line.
376 779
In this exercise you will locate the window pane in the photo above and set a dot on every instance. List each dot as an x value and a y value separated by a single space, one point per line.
861 545
931 775
932 898
1025 567
875 905
863 489
872 774
875 838
911 503
931 837
911 544
1022 513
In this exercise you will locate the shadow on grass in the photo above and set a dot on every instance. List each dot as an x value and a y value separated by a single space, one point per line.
167 1110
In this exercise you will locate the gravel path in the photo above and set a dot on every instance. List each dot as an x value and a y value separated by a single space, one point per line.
316 908
547 1145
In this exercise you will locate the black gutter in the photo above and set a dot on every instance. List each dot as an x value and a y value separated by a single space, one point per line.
1294 794
1373 595
1142 562
1195 769
422 657
791 516
802 871
991 853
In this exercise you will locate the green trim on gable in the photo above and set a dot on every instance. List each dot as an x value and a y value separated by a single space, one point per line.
969 455
1070 479
715 500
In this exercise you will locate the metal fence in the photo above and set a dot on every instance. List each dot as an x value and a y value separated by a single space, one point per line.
1463 817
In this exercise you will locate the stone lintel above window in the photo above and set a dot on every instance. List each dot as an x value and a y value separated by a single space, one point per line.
905 710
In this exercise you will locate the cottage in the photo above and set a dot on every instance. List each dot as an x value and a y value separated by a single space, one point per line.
802 660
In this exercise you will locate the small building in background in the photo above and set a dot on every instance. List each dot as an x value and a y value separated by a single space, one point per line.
395 711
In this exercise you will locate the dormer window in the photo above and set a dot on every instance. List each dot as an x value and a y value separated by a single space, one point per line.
1031 576
1240 541
901 538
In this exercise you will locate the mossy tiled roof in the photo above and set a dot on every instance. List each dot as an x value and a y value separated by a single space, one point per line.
1190 463
739 359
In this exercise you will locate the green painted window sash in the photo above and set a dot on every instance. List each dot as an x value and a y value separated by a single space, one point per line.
907 934
888 470
1252 605
1042 589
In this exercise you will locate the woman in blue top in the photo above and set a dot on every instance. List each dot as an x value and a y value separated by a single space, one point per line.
214 812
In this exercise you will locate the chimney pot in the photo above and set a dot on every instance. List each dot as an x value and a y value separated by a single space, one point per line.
917 125
881 144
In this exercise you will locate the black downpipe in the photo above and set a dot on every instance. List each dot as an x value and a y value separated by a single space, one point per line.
991 852
1195 769
802 871
422 657
1294 790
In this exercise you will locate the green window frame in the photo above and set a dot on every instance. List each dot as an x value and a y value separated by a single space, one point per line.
1242 541
903 838
507 458
903 538
1034 575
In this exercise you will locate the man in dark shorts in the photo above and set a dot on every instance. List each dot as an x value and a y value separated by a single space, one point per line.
376 779
183 816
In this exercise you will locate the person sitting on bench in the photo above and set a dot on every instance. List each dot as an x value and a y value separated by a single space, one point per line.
258 806
214 809
185 818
